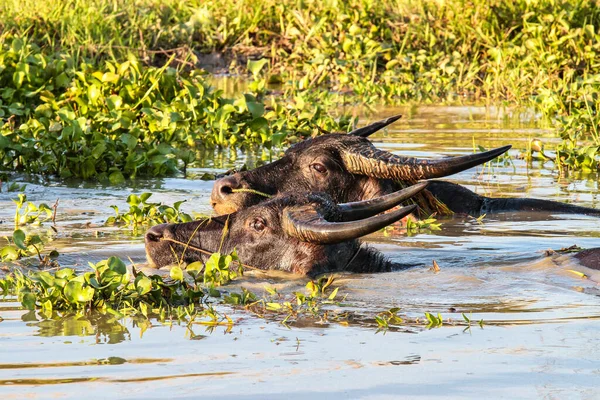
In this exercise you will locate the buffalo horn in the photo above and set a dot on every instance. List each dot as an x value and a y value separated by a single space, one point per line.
381 164
306 224
368 208
368 130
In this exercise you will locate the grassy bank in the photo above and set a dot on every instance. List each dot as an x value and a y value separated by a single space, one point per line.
542 53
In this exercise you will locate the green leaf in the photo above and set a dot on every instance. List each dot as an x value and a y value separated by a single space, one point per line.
195 266
110 77
257 109
19 239
9 253
129 140
65 273
28 301
116 178
75 292
176 273
143 284
117 265
4 142
145 196
255 66
18 78
98 150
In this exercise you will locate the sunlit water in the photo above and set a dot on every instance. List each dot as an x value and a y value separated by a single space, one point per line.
539 338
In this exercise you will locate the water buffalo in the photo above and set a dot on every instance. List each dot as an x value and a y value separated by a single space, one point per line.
349 168
304 233
589 258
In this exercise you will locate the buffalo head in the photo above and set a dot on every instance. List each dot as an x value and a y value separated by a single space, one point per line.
301 233
345 166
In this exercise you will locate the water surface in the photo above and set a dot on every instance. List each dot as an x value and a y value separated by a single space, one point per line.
539 337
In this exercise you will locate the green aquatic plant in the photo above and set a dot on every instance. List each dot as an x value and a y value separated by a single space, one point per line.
109 285
142 213
23 245
429 224
119 120
29 213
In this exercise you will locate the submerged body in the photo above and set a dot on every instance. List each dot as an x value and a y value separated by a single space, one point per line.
589 258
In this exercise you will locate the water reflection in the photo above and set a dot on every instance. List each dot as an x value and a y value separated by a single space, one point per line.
105 327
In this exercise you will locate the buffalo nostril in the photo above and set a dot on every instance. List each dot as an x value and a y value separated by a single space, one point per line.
226 189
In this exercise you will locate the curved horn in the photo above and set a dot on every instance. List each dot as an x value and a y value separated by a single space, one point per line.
364 209
377 163
306 224
368 130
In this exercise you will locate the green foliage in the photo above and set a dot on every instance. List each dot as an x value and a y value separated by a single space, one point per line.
29 213
419 50
85 103
219 270
122 119
22 245
576 107
108 286
143 214
387 318
420 226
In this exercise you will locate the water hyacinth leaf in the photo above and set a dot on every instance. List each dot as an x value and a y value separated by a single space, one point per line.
19 239
65 273
143 284
278 138
117 265
75 292
195 266
133 200
258 124
4 142
176 273
255 66
116 178
256 109
28 301
98 150
9 253
145 196
129 140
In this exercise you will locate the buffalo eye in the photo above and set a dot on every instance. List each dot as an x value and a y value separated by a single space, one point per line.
258 224
320 168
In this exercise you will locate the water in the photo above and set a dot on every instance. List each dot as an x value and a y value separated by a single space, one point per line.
539 338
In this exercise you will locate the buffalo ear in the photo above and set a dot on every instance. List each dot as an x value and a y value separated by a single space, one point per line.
368 130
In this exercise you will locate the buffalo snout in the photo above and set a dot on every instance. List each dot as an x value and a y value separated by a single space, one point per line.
224 194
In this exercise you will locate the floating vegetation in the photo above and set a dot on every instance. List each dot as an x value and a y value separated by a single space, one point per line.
145 214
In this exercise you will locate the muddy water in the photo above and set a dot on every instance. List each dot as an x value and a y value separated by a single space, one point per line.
539 337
